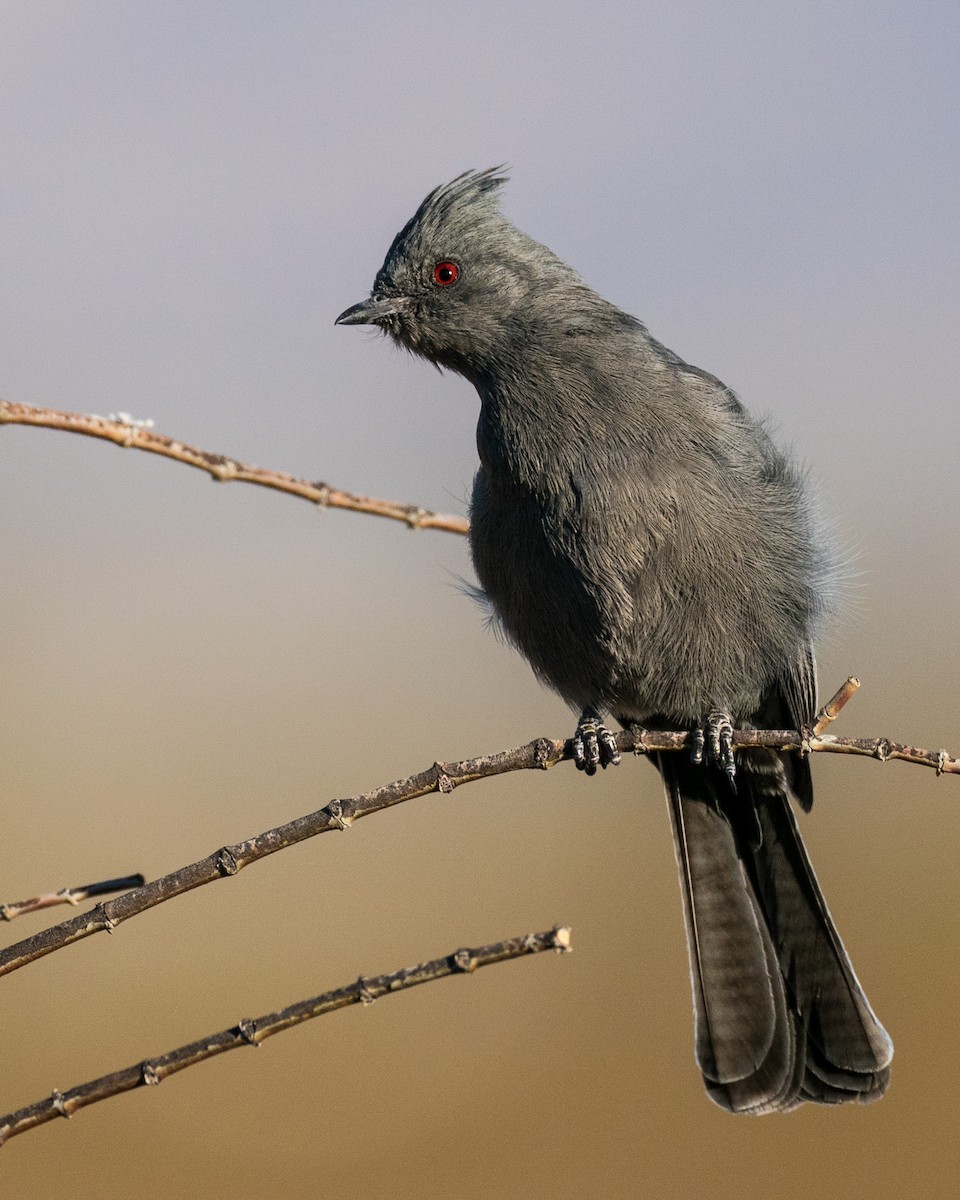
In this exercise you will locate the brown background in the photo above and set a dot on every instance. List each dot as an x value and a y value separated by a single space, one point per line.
189 195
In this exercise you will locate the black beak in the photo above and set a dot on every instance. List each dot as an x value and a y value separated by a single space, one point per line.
369 312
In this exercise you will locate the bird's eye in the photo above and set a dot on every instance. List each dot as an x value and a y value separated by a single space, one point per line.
445 273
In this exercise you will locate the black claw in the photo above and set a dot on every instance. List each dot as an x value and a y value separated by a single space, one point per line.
608 744
593 745
713 743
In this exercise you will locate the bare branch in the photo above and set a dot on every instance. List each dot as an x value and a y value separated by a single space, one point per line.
831 710
540 754
252 1032
125 432
74 896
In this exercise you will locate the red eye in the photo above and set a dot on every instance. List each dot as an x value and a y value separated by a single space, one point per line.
445 273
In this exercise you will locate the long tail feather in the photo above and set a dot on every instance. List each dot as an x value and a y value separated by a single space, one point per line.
780 1015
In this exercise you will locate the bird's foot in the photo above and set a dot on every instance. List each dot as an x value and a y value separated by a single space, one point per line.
713 743
593 744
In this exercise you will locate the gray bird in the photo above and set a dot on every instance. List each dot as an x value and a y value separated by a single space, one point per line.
648 549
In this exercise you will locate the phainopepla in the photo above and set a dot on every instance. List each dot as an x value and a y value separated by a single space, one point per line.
650 551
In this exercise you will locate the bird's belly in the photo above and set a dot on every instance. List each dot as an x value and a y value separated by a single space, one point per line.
558 612
611 629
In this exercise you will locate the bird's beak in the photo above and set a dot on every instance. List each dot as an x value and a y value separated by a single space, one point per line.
369 312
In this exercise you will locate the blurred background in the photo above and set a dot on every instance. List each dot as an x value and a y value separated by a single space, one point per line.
189 195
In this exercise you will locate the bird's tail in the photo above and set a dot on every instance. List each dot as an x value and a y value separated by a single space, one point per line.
780 1015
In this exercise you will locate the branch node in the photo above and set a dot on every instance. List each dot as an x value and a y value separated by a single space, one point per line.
639 745
148 1073
366 996
338 816
107 923
221 469
942 759
59 1104
248 1031
806 736
445 784
414 517
227 863
323 490
882 749
5 912
464 960
542 749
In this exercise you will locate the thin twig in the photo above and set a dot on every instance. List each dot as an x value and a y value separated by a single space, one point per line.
540 754
74 896
125 432
831 710
247 1032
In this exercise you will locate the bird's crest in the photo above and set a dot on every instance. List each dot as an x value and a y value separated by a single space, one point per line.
471 192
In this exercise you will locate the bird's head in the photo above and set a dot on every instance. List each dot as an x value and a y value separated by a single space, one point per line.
460 284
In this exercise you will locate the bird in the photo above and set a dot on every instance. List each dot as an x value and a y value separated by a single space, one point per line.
643 542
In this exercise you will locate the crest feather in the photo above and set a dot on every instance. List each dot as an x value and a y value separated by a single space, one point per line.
470 189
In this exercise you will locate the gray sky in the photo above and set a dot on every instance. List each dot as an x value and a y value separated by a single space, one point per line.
189 194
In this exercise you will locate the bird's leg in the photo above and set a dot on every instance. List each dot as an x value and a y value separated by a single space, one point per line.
593 744
713 743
